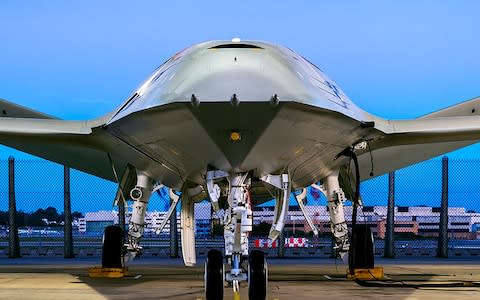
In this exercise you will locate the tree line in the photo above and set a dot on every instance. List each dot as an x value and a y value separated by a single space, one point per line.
36 218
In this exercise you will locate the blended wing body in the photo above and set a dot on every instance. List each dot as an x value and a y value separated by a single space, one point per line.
290 116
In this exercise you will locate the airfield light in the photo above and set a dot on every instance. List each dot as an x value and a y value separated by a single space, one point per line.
236 40
235 136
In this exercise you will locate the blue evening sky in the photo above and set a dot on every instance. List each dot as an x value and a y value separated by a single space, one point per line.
395 59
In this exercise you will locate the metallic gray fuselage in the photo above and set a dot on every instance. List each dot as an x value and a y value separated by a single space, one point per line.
302 134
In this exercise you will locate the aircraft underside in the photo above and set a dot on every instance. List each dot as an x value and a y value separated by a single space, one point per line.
242 156
254 137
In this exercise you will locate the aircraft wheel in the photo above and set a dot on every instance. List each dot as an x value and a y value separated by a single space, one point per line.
214 280
112 247
361 248
257 275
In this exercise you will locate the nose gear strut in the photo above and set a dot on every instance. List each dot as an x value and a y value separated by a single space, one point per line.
242 264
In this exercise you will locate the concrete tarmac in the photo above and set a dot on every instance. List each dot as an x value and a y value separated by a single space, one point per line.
161 278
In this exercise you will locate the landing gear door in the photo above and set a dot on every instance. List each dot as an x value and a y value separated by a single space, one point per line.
283 189
187 219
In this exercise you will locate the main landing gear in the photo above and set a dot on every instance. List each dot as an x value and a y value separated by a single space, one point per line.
360 249
114 242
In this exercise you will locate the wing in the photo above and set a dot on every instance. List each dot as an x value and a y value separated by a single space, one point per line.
406 142
82 145
12 110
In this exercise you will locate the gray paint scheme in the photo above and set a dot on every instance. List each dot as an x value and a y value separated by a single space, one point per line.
160 131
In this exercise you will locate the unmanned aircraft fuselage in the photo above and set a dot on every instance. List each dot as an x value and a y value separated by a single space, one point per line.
238 107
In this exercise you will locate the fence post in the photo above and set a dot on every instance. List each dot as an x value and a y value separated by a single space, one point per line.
442 250
281 245
173 234
67 211
13 242
390 230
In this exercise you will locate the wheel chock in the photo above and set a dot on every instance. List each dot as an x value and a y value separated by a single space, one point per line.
366 274
99 272
236 296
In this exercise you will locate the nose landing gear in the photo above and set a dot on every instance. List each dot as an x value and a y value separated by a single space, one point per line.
256 276
243 265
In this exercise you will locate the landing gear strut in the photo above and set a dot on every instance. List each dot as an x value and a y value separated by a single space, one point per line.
114 257
141 195
338 224
360 250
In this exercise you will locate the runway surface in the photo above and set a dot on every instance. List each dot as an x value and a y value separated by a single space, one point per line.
45 278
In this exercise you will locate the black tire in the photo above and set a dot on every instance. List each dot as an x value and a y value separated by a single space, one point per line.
361 248
112 247
257 275
214 280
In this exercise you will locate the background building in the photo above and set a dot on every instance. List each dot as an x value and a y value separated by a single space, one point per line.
95 222
421 221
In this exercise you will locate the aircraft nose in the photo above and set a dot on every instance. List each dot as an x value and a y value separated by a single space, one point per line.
237 72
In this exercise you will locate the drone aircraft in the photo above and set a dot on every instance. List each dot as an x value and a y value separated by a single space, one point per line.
235 122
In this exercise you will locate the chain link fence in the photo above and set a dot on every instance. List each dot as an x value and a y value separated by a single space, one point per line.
418 190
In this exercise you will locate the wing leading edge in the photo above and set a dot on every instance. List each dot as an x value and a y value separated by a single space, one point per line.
78 144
